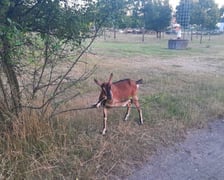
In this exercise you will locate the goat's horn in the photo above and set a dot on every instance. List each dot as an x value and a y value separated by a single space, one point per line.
110 78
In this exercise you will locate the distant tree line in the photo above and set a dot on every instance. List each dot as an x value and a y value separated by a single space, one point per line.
156 15
153 15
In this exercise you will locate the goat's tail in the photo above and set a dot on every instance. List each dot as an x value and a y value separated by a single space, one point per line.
140 81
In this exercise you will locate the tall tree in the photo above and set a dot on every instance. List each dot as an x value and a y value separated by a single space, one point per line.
205 13
221 10
38 37
157 15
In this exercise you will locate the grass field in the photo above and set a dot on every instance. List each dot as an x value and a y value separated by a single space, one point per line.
182 89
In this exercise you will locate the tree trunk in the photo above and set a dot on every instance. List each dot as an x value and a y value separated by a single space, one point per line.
158 34
104 34
8 69
143 34
201 37
115 35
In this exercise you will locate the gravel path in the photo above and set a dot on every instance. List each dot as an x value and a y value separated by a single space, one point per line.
199 157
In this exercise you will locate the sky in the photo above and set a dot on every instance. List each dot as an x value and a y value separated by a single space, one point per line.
174 3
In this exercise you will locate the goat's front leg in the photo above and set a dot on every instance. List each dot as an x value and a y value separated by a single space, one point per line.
128 111
104 121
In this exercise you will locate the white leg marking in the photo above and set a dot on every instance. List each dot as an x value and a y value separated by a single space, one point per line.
104 121
128 110
104 131
105 126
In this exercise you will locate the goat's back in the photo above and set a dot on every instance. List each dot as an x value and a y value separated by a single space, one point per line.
124 89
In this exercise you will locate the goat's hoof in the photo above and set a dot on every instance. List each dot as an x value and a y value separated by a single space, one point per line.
104 132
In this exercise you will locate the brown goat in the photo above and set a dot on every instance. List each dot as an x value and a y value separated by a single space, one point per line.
120 93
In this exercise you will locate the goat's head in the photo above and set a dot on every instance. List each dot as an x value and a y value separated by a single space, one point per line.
106 93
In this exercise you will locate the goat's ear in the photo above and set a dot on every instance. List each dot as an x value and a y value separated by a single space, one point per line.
110 78
97 82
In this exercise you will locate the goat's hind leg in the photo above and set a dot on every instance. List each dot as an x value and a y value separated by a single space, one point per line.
140 115
136 102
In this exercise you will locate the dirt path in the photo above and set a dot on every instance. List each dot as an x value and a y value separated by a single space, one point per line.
199 157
